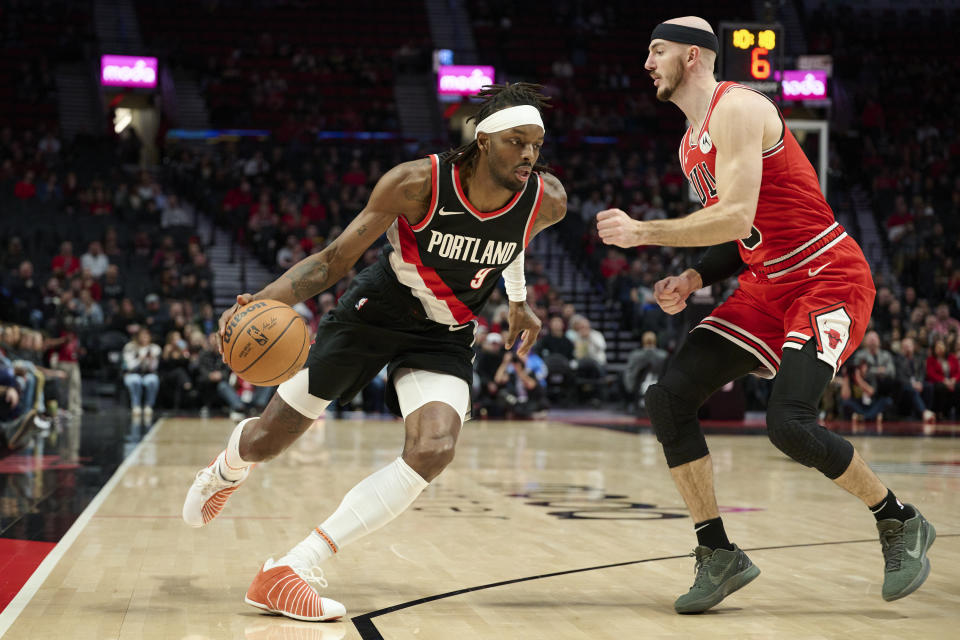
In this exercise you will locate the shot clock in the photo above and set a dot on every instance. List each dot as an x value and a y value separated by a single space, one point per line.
752 53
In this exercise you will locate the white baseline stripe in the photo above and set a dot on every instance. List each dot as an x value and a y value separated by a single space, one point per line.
26 593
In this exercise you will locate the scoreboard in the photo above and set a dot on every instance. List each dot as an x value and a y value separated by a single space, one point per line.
752 53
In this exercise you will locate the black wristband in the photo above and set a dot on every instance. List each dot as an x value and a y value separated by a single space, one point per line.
719 262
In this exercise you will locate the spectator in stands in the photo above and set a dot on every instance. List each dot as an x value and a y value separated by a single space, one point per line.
127 320
916 396
859 397
141 360
25 189
486 365
945 324
531 380
589 345
88 311
95 260
175 215
290 253
590 353
26 295
555 343
880 373
174 370
65 263
943 371
156 317
14 254
112 286
17 422
100 203
66 358
644 366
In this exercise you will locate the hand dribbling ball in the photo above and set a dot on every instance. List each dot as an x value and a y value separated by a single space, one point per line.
266 342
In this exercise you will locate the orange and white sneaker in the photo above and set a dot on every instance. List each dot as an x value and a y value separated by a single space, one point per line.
208 494
293 593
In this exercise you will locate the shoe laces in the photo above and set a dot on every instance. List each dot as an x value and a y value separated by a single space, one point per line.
210 480
313 576
892 542
700 568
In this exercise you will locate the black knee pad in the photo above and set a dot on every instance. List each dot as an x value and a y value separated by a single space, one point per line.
800 437
675 422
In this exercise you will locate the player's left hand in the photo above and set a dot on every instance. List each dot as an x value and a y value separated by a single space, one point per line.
523 322
617 228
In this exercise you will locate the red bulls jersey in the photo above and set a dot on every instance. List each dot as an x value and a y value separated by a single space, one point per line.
452 259
793 223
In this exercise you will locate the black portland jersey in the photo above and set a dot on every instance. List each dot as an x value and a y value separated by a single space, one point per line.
452 259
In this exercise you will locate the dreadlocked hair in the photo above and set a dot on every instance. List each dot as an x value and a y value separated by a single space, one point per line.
495 98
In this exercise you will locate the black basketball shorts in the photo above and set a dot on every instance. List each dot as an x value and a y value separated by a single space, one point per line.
378 322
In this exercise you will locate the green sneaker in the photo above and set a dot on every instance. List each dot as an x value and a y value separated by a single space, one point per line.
905 546
718 574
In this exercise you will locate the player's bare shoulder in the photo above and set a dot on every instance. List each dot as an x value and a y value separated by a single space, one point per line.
407 187
740 110
553 207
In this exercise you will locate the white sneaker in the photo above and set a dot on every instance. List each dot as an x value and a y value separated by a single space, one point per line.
237 416
208 494
137 412
148 414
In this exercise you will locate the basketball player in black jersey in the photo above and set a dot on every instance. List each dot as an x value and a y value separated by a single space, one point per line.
455 223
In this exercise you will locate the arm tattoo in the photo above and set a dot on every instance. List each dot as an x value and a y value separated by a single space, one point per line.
362 230
421 195
307 278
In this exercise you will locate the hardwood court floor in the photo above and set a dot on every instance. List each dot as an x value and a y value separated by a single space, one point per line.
521 500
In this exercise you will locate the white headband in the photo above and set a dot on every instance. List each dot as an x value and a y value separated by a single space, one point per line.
509 118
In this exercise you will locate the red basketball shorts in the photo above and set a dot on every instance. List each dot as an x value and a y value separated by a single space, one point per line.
828 299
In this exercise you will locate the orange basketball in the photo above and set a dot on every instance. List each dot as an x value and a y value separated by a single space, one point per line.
266 342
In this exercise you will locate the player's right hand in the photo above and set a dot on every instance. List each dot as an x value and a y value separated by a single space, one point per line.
227 316
672 292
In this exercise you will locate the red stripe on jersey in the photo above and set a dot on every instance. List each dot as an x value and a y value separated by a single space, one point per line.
480 214
434 193
411 255
536 210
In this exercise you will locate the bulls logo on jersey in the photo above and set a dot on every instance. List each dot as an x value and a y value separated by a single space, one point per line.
833 337
706 144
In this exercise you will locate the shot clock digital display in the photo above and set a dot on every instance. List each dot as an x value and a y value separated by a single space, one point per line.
752 53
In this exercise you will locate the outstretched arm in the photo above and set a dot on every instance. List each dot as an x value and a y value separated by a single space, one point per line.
404 190
392 197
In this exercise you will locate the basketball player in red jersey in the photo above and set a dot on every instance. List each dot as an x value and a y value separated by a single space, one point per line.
801 308
454 223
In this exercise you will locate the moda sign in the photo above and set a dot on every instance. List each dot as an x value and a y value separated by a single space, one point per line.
128 71
804 85
463 80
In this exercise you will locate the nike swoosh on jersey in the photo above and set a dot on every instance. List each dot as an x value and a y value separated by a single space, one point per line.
458 327
813 272
444 212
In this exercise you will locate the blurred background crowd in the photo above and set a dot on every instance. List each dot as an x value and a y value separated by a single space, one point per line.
119 248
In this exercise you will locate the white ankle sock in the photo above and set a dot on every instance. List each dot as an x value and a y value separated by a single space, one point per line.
375 501
229 463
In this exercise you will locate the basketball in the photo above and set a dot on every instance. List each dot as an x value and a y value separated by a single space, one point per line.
266 342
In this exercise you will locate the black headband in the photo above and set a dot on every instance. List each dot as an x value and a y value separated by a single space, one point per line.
686 35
